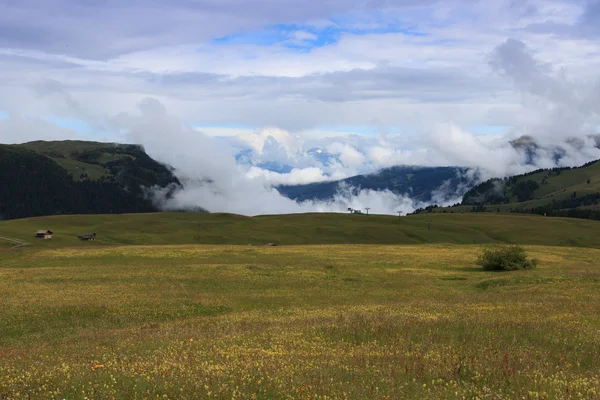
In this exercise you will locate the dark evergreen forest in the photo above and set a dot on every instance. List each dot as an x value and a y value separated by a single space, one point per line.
33 184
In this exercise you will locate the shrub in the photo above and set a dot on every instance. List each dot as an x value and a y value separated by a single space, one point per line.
507 258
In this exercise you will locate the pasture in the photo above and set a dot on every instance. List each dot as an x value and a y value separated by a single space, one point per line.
302 229
416 321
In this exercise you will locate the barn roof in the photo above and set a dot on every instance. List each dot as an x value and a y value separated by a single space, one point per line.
43 232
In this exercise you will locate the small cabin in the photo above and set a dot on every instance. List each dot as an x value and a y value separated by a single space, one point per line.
44 234
88 236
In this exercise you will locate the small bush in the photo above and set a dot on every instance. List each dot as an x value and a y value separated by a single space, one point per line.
508 258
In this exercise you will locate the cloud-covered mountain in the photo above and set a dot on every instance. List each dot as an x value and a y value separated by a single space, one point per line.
339 158
279 151
421 184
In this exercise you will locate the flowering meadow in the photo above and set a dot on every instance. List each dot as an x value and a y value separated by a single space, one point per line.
299 322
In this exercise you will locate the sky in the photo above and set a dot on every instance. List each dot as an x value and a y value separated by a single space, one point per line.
376 82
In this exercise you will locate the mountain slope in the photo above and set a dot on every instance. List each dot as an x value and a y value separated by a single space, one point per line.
420 183
47 178
566 192
128 165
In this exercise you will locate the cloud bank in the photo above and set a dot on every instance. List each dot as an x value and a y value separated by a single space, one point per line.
569 130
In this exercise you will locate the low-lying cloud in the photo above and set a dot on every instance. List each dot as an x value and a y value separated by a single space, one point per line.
567 119
213 180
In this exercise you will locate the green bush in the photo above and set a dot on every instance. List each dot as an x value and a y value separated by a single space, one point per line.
507 258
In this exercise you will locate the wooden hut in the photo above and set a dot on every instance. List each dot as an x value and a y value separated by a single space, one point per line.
44 234
88 236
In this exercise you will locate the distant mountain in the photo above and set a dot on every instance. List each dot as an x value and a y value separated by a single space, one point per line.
74 177
420 183
322 156
274 157
532 149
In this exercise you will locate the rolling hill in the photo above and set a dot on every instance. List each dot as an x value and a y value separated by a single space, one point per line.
301 229
72 177
562 192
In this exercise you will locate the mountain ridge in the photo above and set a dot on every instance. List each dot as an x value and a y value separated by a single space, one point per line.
68 177
418 182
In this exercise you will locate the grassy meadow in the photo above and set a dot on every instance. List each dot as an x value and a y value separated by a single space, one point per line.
301 229
416 321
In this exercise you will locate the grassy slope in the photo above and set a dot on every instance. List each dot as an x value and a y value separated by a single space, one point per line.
338 322
559 187
62 153
188 228
569 181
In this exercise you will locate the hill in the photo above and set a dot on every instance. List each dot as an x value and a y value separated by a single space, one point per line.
127 165
565 192
72 177
420 183
300 229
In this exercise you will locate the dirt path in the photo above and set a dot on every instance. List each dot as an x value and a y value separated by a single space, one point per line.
19 243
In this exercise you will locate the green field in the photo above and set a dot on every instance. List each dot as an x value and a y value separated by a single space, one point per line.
189 228
137 317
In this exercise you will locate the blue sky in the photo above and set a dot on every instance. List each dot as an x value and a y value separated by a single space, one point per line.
77 125
312 36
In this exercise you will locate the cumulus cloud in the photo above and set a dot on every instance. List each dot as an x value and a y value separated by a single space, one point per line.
298 176
567 106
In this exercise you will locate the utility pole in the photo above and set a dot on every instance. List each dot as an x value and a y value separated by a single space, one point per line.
399 214
367 208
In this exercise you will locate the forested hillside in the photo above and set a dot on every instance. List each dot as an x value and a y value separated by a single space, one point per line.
420 183
50 178
561 192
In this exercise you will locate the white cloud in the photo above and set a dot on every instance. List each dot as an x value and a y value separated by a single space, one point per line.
213 180
298 176
348 155
393 78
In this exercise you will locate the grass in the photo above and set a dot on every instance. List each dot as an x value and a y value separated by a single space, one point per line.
63 153
557 187
182 228
77 168
561 186
6 244
297 322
